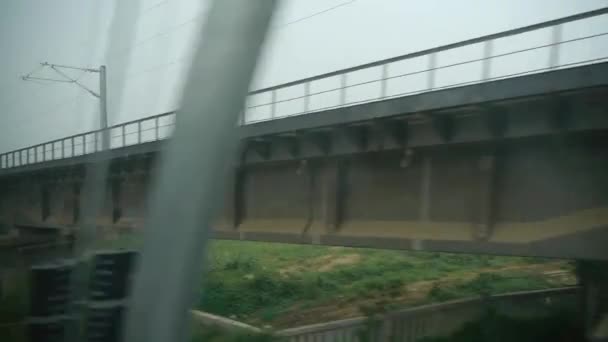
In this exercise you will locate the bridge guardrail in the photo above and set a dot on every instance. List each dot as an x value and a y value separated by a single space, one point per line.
313 95
433 320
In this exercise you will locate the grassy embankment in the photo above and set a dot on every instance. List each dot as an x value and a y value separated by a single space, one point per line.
289 285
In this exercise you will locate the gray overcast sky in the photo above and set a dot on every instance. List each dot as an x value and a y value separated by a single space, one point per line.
75 32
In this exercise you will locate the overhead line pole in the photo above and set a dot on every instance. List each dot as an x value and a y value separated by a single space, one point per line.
91 185
101 95
103 109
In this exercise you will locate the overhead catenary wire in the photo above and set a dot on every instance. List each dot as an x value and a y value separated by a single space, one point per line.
156 5
171 29
475 60
74 80
310 16
65 78
36 69
201 15
21 106
179 61
40 81
386 78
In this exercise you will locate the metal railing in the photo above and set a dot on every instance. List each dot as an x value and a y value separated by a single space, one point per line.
313 94
433 320
154 128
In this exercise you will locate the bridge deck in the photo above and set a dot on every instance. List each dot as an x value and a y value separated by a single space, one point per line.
508 164
455 101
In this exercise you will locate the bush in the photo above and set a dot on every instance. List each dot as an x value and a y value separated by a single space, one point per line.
242 264
259 280
440 294
483 284
558 326
244 295
486 284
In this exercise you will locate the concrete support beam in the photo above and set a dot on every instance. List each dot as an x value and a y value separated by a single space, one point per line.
131 200
117 205
445 127
76 187
7 205
234 200
485 194
321 139
45 201
62 202
425 189
27 205
332 192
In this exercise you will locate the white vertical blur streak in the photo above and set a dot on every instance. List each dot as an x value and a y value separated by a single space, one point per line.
192 168
95 181
94 187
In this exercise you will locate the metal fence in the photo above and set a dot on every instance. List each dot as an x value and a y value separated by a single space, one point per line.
405 75
433 320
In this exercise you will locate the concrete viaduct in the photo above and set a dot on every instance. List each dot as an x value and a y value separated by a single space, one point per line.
506 164
511 163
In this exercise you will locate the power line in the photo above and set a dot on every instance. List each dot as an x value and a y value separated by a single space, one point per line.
314 14
188 21
198 17
34 70
39 91
160 34
151 7
65 78
155 67
169 30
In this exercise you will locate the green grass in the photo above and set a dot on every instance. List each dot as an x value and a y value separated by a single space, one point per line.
260 283
489 284
257 282
122 240
241 291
